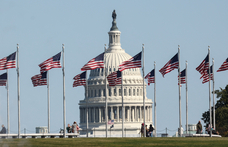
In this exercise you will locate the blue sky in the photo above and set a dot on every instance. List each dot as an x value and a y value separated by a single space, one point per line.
41 27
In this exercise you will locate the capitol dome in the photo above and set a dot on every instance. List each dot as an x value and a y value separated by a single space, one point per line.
132 92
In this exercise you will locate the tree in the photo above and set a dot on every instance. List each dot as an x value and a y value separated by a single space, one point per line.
221 112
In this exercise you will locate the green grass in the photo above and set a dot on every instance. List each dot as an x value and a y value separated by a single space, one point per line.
109 142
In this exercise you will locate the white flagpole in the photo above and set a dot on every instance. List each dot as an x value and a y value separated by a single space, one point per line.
144 117
209 90
106 97
186 84
18 91
179 81
64 98
86 99
7 86
213 93
48 98
123 116
155 120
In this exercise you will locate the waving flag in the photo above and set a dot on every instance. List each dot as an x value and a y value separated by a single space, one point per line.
224 66
170 65
114 78
8 62
183 76
97 62
3 79
206 76
134 62
53 62
150 77
80 79
40 79
203 67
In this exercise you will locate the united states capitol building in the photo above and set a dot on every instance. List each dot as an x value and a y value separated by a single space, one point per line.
133 94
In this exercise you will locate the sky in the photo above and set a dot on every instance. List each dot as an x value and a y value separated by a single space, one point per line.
41 27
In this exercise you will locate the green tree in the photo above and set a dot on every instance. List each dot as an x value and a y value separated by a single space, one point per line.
221 112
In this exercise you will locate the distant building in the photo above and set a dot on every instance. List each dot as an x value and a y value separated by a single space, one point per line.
41 130
133 94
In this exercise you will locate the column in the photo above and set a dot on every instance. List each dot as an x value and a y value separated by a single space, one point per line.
140 113
148 113
94 118
133 114
111 113
117 113
83 115
129 114
99 111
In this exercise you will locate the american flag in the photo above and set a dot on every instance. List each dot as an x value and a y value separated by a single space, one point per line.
53 62
114 78
170 65
203 67
111 122
3 79
80 79
134 62
206 76
224 66
8 62
40 79
97 62
183 76
150 77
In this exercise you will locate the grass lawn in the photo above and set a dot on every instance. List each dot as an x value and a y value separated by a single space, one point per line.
160 141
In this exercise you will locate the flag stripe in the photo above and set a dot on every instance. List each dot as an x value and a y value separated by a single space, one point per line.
80 79
150 77
8 62
40 79
134 62
114 78
224 66
170 65
53 62
97 62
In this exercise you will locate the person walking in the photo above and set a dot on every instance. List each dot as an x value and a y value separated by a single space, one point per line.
199 128
151 129
3 131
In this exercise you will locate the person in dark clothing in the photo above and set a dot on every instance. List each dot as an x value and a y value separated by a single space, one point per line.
142 130
199 128
151 129
3 131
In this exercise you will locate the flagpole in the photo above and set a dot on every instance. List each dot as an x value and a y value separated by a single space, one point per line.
209 91
86 98
48 98
179 81
155 123
64 98
213 93
8 121
122 91
144 117
18 90
186 64
106 101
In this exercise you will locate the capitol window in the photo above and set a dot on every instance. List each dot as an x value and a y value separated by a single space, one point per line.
110 92
129 92
115 94
99 94
120 92
95 93
137 92
91 93
125 92
133 92
104 94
